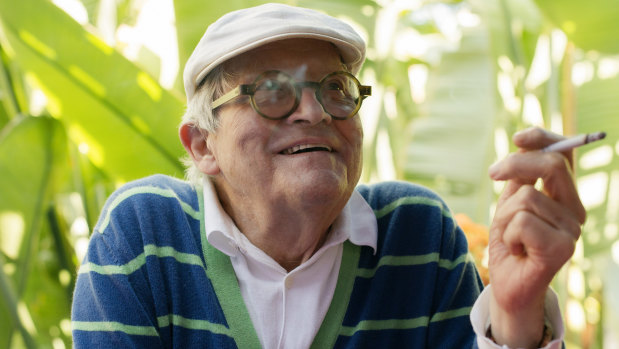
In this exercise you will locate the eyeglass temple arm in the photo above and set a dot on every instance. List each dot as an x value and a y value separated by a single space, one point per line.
239 90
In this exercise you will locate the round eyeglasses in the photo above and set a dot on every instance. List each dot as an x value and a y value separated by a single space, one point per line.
276 95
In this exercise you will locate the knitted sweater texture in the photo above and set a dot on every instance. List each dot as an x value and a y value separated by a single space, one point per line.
151 280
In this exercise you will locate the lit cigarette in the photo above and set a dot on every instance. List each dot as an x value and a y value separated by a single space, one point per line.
574 142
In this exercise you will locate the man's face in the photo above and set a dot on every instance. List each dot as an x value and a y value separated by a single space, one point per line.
259 159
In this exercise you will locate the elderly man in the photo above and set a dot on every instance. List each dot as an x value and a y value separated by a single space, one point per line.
275 245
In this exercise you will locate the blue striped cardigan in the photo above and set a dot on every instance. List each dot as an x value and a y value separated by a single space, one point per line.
151 280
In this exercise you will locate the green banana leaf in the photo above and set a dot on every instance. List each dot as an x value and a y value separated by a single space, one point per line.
32 161
596 108
119 115
591 25
451 142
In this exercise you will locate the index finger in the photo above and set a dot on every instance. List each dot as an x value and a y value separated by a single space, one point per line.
536 138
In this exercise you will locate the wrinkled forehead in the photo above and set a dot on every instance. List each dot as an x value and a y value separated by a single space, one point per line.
303 59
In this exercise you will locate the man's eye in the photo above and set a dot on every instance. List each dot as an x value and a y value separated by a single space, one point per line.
334 86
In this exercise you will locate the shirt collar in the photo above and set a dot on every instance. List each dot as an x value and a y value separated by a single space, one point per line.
357 223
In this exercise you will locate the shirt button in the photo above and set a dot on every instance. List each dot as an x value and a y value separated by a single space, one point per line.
288 282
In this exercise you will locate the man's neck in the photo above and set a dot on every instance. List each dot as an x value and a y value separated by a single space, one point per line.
288 234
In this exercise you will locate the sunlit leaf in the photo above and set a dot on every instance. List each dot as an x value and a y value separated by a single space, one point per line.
451 140
32 152
596 109
591 25
122 116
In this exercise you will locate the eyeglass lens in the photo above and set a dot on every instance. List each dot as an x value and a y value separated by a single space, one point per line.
277 95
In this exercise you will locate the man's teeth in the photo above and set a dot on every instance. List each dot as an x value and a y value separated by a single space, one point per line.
305 148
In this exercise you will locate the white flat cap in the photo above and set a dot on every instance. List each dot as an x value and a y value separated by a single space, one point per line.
240 31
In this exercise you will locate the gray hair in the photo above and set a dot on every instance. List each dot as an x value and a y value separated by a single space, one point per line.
199 113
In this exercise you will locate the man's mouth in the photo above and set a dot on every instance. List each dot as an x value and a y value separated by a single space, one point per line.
306 148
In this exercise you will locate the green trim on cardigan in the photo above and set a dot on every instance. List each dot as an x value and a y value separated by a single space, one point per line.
331 326
223 278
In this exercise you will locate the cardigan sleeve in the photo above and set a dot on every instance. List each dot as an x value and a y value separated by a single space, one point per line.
457 286
113 303
439 283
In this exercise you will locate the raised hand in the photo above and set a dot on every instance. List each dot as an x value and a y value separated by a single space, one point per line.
533 235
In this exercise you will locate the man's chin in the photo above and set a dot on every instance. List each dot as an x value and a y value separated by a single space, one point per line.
321 185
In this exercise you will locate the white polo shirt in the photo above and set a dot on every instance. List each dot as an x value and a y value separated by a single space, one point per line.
287 308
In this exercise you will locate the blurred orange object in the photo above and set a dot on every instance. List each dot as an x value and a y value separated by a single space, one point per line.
477 236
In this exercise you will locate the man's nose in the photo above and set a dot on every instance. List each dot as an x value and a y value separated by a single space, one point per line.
309 110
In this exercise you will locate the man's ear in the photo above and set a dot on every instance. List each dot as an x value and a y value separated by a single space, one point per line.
194 141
